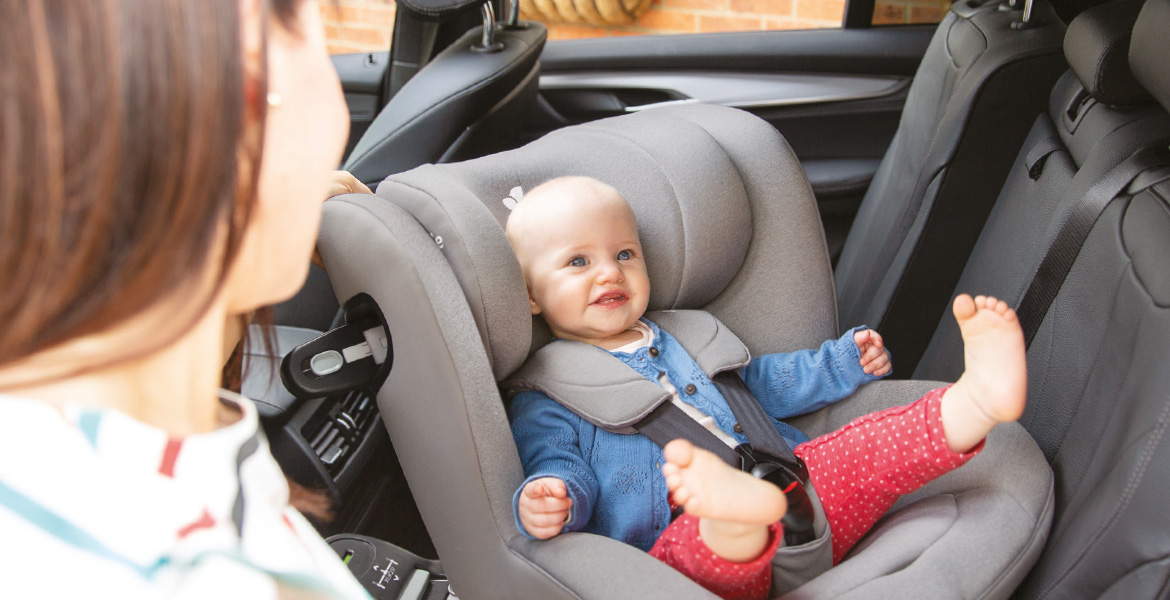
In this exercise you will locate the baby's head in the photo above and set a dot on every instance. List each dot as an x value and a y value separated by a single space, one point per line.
577 242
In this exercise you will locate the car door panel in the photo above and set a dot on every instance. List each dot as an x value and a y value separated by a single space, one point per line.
362 81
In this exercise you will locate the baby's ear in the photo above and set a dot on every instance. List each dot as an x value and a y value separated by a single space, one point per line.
532 304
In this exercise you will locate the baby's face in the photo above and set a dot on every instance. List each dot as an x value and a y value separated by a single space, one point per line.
584 267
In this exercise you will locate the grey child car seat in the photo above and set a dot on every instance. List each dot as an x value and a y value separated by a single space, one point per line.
729 225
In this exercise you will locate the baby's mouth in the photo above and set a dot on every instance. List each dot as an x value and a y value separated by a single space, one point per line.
610 298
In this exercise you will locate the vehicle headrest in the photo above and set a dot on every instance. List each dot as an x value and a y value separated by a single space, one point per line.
694 214
1096 46
439 9
1149 52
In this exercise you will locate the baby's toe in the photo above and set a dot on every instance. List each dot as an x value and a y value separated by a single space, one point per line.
679 452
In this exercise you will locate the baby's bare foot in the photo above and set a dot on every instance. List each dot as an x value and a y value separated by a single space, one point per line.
994 384
709 488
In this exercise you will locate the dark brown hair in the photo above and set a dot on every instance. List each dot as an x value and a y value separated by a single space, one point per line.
130 139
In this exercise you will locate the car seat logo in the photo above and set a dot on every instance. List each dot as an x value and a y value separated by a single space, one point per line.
514 196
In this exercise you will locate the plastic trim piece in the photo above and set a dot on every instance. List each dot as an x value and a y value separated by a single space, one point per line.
744 90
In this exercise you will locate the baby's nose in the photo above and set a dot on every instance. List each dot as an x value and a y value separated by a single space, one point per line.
609 271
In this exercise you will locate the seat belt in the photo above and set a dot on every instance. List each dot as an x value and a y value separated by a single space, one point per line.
1058 261
766 456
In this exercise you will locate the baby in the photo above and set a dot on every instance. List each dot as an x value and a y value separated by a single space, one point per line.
577 243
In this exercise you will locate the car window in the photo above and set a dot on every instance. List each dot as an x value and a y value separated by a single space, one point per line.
358 25
366 25
902 12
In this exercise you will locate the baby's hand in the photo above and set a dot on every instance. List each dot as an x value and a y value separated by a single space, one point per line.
544 507
874 358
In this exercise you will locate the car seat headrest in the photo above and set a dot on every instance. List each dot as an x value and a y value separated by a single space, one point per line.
694 216
1149 52
439 10
1096 46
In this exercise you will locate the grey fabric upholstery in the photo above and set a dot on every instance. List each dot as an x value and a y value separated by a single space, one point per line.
980 85
439 114
1097 48
987 520
436 263
628 396
699 191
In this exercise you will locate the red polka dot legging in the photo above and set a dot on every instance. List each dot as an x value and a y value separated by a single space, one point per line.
859 471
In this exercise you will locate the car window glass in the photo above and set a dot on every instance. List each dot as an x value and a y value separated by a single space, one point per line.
904 12
367 25
666 17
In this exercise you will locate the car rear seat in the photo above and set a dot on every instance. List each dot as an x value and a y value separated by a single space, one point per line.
1098 400
981 83
1098 116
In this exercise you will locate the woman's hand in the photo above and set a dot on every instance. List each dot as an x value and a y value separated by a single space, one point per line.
343 183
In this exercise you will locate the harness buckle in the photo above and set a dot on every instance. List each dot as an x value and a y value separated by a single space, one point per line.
792 479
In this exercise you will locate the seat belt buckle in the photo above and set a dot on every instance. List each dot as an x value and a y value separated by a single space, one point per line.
791 479
752 460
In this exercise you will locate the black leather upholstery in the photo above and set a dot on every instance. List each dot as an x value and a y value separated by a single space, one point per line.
1101 356
979 87
1147 51
1034 201
463 98
438 9
1098 404
1097 49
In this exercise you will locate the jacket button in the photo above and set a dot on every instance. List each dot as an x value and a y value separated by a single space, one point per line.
737 428
653 351
691 389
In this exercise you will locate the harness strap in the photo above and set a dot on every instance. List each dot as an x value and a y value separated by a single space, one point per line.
668 422
756 423
766 457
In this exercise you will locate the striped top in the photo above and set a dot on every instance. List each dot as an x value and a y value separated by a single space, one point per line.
94 503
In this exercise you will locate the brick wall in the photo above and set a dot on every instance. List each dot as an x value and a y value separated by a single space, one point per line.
358 25
366 25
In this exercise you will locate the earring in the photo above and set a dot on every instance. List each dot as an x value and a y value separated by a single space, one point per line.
275 99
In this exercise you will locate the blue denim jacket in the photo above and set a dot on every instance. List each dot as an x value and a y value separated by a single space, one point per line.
615 480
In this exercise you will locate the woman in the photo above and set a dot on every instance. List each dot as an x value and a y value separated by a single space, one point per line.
162 164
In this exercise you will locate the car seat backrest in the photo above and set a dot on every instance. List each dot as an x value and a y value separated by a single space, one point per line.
981 83
728 222
1073 145
1097 400
1101 354
698 197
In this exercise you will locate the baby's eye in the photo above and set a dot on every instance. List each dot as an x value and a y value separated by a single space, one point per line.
578 261
624 255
